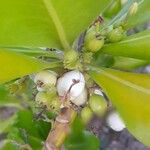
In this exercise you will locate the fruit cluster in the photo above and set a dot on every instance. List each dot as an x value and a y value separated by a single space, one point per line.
71 90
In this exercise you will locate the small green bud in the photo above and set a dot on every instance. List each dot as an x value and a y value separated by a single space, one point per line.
133 9
116 35
98 104
94 45
50 100
86 114
71 59
92 42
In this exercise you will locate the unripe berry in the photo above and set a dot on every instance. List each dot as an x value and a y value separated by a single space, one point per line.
98 104
93 43
45 80
71 83
86 114
50 100
115 122
116 35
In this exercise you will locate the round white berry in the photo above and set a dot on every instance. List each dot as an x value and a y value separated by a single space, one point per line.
71 83
45 79
115 122
81 99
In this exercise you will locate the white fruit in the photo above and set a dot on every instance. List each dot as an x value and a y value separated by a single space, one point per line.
115 122
45 79
81 99
66 84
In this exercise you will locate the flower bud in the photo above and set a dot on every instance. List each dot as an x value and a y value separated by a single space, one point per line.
116 35
70 59
45 80
71 83
133 9
115 122
86 114
98 104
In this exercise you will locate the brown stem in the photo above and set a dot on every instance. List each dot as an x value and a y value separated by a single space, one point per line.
58 134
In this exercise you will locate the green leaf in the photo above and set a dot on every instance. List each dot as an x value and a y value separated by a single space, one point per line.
27 130
46 23
21 139
130 93
89 142
142 15
112 9
128 64
126 19
10 146
7 100
15 65
121 15
36 52
5 125
103 60
38 129
80 139
134 46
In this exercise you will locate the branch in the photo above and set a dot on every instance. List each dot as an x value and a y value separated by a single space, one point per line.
61 128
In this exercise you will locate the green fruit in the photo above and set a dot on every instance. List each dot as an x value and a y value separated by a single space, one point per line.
116 35
98 104
93 43
86 114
